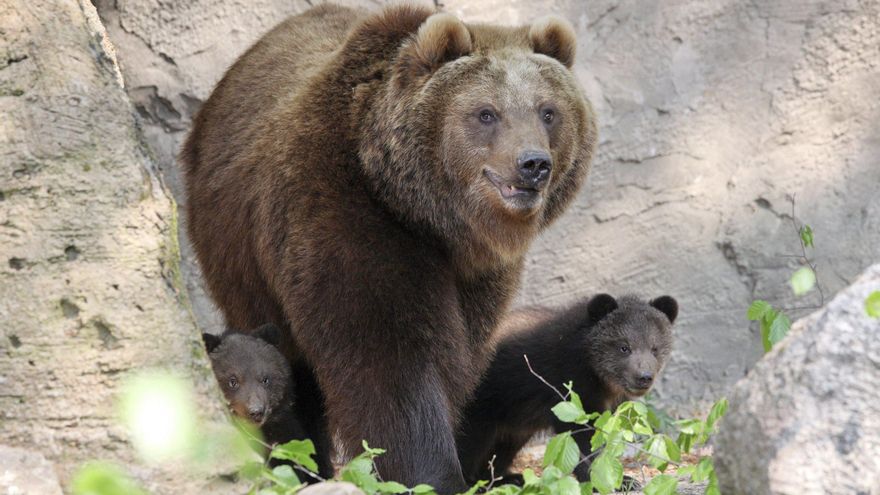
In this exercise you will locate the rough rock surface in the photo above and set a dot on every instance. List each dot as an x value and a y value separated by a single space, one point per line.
89 284
332 488
23 472
806 420
712 112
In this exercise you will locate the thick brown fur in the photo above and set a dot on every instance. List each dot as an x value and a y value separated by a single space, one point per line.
342 183
610 349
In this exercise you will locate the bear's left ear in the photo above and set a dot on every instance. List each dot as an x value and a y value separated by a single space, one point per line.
211 341
440 39
268 333
668 306
554 36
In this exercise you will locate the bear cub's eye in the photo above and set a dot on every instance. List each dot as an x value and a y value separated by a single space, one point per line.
547 116
265 380
624 349
233 382
487 116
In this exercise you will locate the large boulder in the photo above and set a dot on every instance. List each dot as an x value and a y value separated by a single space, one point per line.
807 418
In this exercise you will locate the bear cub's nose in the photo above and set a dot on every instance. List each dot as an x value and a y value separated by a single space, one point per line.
645 380
256 413
534 168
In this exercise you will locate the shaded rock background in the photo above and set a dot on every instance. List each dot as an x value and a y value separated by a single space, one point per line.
808 414
90 288
712 113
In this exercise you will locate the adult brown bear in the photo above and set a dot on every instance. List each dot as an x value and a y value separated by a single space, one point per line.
372 182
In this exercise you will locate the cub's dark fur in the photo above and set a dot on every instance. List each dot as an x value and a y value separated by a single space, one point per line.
611 349
260 387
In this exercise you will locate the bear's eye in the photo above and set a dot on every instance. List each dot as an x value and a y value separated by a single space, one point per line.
265 380
624 349
547 116
654 349
233 382
487 116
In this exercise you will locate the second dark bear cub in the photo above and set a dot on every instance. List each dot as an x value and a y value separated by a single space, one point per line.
611 349
260 386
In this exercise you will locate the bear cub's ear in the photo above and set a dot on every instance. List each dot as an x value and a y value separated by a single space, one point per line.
269 333
211 341
668 306
553 36
442 38
600 306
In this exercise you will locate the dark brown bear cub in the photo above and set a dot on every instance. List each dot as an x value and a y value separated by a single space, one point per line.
611 349
259 386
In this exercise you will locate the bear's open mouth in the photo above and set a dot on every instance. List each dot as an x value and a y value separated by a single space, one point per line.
507 190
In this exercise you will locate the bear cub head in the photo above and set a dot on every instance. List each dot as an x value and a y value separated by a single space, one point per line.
253 374
629 341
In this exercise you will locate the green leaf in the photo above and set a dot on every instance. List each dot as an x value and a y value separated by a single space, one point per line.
672 450
298 451
103 479
872 304
713 489
371 451
807 236
573 396
568 412
423 488
251 470
606 473
662 484
283 475
719 409
758 309
586 488
567 486
562 452
803 280
703 470
657 455
392 487
470 491
779 328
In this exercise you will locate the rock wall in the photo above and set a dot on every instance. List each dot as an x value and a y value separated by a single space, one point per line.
712 114
90 289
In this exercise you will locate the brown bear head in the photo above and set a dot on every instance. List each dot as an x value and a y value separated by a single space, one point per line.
480 135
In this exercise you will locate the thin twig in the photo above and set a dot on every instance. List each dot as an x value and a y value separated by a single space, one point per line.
563 397
804 260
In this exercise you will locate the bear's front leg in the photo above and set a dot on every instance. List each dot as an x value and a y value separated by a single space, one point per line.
406 412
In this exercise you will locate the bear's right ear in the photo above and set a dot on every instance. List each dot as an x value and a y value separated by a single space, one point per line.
600 306
440 39
211 341
268 333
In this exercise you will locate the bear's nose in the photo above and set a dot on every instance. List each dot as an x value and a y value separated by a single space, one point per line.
645 379
534 167
256 413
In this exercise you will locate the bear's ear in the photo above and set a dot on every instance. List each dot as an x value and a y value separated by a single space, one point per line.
553 36
268 333
668 306
211 341
440 39
600 306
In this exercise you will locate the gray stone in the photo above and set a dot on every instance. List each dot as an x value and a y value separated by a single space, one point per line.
711 114
806 420
24 472
332 488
